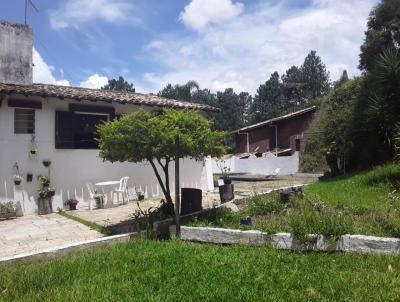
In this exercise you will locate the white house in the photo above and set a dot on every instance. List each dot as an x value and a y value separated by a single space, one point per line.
59 122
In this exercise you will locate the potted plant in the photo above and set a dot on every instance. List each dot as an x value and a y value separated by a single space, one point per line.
71 203
139 194
8 210
45 196
46 163
33 151
226 176
225 171
226 192
17 180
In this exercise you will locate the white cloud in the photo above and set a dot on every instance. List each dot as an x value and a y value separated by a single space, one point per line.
94 81
75 12
242 52
43 73
199 13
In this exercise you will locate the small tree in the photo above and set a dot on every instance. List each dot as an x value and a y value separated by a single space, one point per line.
142 136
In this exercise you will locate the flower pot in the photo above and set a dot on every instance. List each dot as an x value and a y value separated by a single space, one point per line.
8 215
227 181
45 206
33 152
17 182
51 192
226 193
46 163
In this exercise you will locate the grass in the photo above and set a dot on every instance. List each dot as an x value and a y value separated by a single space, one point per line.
366 203
178 271
99 228
366 190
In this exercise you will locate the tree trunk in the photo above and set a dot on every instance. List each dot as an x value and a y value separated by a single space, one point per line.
166 192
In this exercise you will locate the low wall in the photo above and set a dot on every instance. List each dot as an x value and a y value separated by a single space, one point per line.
286 241
261 165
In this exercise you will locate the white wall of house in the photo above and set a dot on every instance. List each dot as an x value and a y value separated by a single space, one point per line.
261 165
71 169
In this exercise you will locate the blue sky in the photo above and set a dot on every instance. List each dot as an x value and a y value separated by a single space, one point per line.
219 43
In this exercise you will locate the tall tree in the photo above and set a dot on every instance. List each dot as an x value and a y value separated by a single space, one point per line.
204 96
119 85
233 109
267 102
314 76
293 87
383 31
343 79
180 92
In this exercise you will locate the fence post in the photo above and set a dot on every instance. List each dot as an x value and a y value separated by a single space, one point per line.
177 197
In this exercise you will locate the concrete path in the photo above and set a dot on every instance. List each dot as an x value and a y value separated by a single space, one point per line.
34 233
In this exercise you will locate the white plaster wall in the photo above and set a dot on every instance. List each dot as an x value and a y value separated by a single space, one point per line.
72 169
261 165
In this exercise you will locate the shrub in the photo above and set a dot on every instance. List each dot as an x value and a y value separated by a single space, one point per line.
262 205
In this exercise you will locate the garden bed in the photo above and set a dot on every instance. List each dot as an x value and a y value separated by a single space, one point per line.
366 203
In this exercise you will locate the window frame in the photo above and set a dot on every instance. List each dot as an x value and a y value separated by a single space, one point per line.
21 128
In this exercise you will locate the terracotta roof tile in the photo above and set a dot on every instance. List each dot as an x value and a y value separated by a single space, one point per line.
78 93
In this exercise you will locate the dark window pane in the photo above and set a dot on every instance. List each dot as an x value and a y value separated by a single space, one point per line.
85 131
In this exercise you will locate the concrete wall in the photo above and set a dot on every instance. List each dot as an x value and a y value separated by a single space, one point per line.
16 53
71 169
261 165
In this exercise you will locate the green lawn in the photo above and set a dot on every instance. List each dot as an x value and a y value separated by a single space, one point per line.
365 203
365 190
179 271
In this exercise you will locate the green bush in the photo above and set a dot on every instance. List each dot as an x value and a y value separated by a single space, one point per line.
262 205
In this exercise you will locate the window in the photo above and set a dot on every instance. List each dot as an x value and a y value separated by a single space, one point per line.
77 130
85 131
24 121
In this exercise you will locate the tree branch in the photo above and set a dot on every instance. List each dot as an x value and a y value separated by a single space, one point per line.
166 193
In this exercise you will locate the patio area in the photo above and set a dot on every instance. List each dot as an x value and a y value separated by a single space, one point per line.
34 233
121 214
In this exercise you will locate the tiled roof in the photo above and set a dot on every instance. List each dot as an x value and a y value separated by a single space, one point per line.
276 119
80 94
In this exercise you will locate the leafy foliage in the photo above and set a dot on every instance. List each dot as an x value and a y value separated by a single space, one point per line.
142 136
298 88
327 140
383 32
119 85
314 76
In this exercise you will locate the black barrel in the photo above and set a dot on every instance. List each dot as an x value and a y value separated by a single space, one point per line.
191 200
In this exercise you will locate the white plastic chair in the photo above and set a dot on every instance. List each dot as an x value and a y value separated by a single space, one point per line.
93 196
274 174
122 190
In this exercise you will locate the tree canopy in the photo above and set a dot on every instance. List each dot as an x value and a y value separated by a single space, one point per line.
119 85
299 87
142 136
383 32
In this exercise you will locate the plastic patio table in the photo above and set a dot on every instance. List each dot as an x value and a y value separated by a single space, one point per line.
107 187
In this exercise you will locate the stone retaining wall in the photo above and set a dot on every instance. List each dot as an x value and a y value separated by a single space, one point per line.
286 241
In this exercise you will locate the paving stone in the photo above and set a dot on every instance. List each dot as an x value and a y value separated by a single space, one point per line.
34 233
